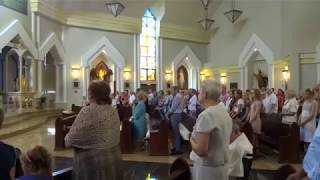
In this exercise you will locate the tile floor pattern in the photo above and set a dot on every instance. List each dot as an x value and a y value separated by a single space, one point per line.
44 135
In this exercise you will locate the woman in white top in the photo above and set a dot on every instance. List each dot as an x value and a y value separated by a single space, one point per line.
307 120
238 106
290 108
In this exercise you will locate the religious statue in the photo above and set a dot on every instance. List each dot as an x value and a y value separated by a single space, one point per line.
182 78
101 72
262 79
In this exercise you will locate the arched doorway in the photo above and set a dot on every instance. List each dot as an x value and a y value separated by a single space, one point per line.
112 58
102 69
182 78
191 63
256 54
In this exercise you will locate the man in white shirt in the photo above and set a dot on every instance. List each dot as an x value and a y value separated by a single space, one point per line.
270 103
211 136
192 104
239 148
132 98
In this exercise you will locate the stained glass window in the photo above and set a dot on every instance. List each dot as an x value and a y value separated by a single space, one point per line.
148 40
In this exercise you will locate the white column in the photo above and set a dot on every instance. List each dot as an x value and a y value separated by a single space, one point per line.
159 60
20 74
246 80
39 74
242 78
58 82
64 82
271 75
135 64
34 75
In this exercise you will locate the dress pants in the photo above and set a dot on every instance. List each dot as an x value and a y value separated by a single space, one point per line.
175 119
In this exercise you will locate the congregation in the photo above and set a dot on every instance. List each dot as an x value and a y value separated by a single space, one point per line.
217 141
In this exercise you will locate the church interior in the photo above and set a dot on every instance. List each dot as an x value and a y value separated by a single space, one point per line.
160 63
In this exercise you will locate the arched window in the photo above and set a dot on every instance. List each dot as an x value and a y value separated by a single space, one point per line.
148 42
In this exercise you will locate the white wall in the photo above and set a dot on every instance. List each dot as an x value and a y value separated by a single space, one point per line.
8 15
171 48
308 76
47 27
228 41
287 27
78 41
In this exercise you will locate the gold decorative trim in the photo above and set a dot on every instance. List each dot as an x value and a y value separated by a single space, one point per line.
121 24
47 10
171 31
308 61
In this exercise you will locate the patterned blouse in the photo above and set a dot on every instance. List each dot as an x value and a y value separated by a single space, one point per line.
96 127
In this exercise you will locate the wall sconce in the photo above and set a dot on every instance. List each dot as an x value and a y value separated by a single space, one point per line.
168 75
286 76
202 76
126 74
75 72
223 78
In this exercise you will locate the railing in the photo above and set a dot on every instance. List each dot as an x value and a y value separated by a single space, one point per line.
20 101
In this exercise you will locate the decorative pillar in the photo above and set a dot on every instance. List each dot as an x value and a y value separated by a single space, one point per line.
20 74
34 75
271 75
242 78
39 74
58 82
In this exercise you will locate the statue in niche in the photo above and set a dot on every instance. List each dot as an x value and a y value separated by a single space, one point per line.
262 79
182 78
101 72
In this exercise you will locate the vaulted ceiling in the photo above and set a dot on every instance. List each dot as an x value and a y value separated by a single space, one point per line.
180 12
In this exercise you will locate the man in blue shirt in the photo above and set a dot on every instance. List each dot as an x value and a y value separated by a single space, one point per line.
311 162
175 114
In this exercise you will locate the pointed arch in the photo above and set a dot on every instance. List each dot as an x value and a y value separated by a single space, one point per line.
11 31
49 43
254 46
186 57
105 47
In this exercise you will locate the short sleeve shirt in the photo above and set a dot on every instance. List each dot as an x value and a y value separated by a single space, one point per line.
7 160
311 162
215 121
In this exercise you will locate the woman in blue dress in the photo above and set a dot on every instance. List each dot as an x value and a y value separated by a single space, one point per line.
139 122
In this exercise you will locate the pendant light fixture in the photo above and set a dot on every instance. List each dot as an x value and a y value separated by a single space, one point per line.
206 22
115 7
233 14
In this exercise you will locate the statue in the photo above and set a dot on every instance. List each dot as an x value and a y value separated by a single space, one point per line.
262 79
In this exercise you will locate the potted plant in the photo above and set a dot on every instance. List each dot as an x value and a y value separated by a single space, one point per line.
43 100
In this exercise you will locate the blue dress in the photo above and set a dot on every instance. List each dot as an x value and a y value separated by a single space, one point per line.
311 162
139 122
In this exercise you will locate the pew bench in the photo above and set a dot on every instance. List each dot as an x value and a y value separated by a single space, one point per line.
283 137
62 126
157 144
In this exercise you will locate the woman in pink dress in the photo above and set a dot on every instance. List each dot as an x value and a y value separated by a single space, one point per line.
254 118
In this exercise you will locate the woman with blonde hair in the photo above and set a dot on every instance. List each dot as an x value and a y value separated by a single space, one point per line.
139 121
307 119
36 164
95 137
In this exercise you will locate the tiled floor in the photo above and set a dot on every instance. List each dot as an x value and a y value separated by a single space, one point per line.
44 136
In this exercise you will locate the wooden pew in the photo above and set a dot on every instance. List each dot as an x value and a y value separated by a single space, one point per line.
62 126
159 134
74 110
126 133
283 137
